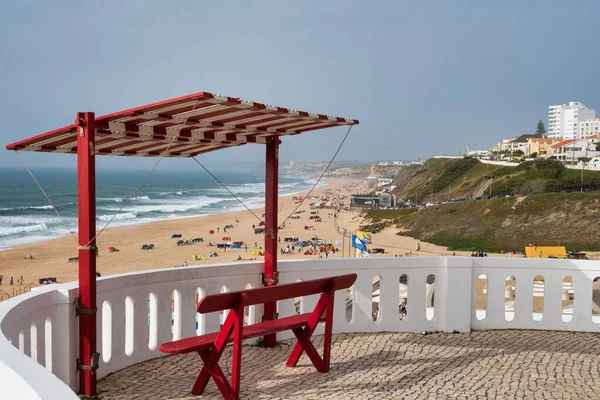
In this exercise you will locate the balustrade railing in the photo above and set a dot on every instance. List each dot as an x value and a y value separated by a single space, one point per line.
138 311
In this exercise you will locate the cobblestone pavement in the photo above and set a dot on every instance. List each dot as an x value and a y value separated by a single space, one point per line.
477 365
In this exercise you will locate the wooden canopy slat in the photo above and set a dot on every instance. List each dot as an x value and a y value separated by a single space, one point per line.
194 124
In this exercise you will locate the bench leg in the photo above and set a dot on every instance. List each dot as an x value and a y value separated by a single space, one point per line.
204 375
236 363
213 370
309 348
211 358
325 303
328 332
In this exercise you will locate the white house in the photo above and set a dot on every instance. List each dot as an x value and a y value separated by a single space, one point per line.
569 151
384 181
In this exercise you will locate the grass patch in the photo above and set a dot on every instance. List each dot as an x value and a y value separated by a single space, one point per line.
507 224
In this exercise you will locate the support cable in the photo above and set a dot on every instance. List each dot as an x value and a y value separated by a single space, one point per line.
318 180
87 246
46 196
226 188
148 174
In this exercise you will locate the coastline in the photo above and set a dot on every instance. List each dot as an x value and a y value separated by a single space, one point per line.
50 257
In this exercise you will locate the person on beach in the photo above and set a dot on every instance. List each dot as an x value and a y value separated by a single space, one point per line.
185 263
246 247
11 281
0 280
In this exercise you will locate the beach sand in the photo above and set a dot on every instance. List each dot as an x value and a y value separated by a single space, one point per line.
50 258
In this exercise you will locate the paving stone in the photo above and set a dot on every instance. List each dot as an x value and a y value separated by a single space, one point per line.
477 365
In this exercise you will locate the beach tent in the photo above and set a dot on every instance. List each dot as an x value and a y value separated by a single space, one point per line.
181 127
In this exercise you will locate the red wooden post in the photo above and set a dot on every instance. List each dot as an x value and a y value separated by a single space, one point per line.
271 195
86 192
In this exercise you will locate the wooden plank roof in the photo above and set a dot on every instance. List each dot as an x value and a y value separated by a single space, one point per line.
184 127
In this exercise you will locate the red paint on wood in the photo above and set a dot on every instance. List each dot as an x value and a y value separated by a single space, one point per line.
86 194
271 196
210 346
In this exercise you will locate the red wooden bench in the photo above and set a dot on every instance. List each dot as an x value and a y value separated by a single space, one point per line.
210 346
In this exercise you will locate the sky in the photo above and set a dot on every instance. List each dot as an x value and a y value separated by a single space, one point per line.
424 77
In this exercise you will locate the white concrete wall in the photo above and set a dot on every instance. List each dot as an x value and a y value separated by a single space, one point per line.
44 359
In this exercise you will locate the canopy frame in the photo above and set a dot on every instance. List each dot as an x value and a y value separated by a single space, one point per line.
169 128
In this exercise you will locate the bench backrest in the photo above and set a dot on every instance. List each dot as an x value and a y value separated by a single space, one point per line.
250 297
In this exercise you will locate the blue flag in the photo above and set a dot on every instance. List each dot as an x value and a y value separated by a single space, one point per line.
360 244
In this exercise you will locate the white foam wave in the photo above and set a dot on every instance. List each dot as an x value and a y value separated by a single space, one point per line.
48 207
178 192
32 219
115 199
140 198
175 206
288 185
15 230
127 215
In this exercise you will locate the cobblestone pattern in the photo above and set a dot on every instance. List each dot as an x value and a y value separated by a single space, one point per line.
478 365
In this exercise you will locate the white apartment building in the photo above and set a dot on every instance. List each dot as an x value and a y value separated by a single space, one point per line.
563 120
589 127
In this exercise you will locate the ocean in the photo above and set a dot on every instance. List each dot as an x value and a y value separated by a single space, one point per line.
26 216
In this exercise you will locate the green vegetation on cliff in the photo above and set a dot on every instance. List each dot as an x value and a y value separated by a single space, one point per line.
506 224
440 179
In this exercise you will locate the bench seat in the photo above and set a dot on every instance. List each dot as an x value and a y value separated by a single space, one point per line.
202 342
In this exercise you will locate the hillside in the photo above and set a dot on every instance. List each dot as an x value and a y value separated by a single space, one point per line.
505 224
442 179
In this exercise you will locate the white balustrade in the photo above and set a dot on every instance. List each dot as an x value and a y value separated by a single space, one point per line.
139 311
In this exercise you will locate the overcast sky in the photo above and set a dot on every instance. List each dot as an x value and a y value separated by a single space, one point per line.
423 77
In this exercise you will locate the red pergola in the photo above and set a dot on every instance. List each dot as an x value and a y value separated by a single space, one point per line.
181 127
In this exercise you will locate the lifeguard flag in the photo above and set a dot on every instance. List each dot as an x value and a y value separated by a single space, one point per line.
360 245
363 236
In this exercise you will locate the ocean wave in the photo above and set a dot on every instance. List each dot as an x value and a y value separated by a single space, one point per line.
112 199
140 198
48 207
288 185
175 206
15 230
127 215
238 190
178 192
33 219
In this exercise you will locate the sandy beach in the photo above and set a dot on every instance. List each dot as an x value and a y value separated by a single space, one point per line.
50 258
